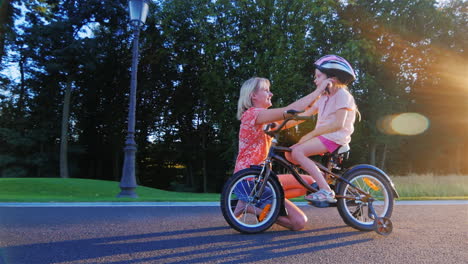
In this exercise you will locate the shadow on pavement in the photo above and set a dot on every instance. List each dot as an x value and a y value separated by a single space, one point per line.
214 244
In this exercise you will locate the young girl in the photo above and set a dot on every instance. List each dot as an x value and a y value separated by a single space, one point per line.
336 111
254 101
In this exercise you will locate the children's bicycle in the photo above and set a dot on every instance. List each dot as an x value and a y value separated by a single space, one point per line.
252 199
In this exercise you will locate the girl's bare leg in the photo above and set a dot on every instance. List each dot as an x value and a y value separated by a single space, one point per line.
301 152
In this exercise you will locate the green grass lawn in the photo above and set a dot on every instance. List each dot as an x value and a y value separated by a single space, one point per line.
429 186
412 187
84 190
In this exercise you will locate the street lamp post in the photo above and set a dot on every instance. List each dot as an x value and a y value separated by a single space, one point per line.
138 13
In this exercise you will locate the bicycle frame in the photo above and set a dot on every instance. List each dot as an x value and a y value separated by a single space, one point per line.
274 156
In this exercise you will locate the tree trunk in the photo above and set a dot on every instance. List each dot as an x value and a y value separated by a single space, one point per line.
189 180
458 159
115 166
4 8
22 92
372 153
64 136
39 168
205 175
205 172
384 156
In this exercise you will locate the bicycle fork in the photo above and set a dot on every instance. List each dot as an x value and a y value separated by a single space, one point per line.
264 176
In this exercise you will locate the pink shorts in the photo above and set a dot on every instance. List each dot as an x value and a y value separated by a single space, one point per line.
330 145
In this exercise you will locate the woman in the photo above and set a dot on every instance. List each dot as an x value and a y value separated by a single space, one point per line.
253 112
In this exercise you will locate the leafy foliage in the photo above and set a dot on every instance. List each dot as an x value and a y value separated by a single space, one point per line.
194 56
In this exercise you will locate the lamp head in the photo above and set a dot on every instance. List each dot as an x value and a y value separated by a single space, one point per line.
138 12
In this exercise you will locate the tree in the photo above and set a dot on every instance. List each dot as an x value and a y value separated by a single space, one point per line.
195 55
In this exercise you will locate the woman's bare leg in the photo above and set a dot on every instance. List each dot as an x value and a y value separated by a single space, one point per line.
296 219
292 188
242 207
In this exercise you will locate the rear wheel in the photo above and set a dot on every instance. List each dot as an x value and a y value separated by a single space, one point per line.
356 212
242 210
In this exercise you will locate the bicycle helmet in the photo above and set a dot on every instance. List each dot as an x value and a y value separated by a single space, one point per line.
336 66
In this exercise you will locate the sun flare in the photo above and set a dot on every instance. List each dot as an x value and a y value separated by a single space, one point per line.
408 124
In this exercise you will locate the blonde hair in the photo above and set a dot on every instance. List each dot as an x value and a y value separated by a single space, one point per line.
339 84
248 88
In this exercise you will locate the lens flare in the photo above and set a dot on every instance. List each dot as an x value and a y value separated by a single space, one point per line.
408 124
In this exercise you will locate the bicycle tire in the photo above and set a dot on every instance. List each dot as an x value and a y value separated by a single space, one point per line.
353 212
250 219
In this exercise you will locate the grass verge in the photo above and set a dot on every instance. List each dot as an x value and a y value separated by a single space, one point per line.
85 190
430 186
412 187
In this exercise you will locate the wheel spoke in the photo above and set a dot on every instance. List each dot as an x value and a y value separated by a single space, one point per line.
244 214
358 211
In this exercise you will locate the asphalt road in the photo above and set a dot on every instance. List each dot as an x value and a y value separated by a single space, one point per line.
187 234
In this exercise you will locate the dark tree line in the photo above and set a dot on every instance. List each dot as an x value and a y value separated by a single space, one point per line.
66 104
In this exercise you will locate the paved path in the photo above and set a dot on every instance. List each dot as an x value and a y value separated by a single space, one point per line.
199 234
163 204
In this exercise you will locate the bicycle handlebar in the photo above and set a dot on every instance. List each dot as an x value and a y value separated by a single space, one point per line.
294 116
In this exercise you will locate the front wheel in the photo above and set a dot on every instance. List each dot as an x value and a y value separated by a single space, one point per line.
354 209
240 207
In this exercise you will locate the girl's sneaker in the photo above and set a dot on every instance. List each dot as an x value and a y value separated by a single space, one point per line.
321 196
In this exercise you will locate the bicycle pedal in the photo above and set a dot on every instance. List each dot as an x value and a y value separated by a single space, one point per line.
322 204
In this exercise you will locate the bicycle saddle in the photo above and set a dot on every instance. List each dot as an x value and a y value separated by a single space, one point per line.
343 149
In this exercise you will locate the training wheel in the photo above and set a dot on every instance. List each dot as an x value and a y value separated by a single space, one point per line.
383 226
